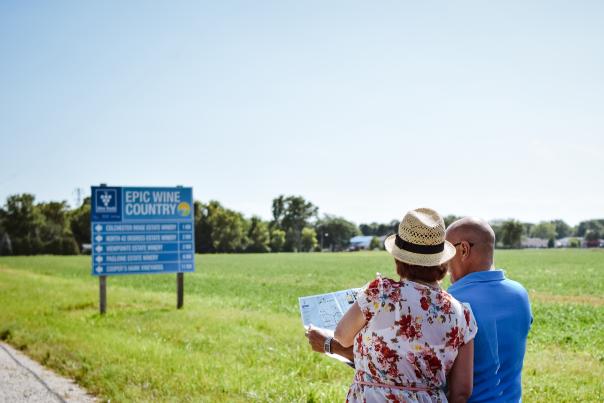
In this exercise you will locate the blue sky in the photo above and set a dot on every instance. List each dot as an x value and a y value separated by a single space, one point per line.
367 109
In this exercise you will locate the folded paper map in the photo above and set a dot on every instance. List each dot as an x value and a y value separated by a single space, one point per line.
325 311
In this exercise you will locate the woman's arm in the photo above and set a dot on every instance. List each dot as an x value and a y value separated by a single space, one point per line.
350 324
461 377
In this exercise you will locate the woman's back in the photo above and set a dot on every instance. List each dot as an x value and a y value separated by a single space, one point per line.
410 342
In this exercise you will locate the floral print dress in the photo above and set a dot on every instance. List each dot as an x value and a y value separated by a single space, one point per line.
410 342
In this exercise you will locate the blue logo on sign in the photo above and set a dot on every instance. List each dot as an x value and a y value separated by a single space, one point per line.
106 201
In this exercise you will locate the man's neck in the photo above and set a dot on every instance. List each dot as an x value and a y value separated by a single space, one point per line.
476 269
484 265
479 269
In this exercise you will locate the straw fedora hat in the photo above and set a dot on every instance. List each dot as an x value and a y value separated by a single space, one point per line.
420 240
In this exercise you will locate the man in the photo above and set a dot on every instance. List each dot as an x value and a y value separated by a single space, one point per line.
500 306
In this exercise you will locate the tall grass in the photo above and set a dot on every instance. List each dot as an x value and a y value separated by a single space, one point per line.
240 337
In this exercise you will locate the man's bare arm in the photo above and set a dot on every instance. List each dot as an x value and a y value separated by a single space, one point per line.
345 352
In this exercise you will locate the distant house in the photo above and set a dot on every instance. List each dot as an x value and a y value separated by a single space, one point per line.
363 242
533 243
360 242
569 241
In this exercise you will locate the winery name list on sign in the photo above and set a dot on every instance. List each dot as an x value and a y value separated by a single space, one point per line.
138 230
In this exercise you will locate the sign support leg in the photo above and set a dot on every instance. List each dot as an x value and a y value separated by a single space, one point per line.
180 285
103 294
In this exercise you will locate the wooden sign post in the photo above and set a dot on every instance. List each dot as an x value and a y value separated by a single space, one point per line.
103 294
180 289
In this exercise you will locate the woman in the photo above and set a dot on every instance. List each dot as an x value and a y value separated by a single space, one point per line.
413 342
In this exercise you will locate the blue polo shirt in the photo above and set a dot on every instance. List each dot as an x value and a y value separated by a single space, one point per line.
503 314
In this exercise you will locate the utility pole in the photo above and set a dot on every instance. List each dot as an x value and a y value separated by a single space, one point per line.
78 197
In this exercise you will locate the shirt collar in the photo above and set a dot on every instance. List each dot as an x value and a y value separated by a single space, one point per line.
479 277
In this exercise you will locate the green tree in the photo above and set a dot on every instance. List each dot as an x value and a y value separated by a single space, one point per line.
511 233
79 222
54 229
6 246
574 243
309 239
594 225
338 230
592 235
218 229
258 235
21 220
563 230
544 230
375 243
69 246
291 214
368 229
379 229
229 231
203 230
497 225
277 240
527 228
592 238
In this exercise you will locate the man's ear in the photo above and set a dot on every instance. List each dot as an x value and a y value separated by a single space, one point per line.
465 251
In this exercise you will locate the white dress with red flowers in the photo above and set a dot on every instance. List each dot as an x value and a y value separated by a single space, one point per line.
410 342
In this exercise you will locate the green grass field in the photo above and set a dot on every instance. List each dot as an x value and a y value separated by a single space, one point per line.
240 337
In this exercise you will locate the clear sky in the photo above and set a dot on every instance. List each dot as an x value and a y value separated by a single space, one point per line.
367 109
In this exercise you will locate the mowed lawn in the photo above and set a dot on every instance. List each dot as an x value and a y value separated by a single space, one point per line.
240 337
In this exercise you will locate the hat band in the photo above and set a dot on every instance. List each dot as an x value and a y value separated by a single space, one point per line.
416 248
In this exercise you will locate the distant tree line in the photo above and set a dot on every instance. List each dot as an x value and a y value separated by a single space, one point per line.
295 227
511 232
28 228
